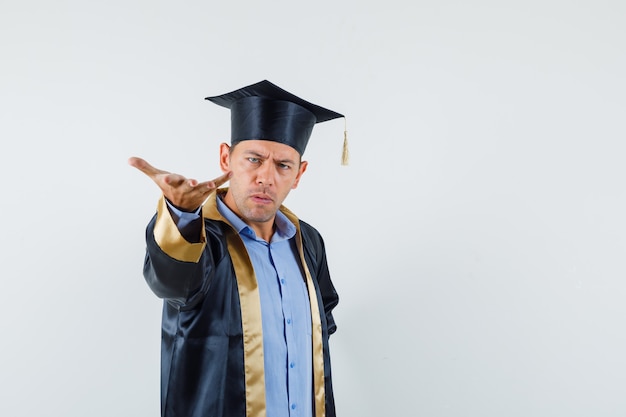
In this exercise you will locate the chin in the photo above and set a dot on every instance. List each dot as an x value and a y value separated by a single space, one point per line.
260 216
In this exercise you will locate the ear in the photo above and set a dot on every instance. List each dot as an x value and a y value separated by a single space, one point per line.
225 157
301 170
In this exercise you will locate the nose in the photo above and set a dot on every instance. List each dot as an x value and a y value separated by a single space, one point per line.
265 175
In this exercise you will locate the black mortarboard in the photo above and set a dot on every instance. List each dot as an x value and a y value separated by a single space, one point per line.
266 111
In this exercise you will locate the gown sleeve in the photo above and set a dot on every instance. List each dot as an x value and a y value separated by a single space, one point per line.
315 251
175 268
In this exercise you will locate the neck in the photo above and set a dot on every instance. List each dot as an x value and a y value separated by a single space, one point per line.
263 229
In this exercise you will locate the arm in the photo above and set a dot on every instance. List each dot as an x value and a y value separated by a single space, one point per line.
175 267
315 253
330 298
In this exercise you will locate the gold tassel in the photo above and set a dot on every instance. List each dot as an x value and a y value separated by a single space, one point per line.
345 154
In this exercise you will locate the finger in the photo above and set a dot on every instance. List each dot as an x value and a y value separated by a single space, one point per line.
212 185
144 166
219 181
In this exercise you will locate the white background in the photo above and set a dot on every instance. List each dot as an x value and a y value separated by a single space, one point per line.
477 239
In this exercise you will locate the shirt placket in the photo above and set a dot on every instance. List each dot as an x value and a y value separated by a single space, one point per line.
288 296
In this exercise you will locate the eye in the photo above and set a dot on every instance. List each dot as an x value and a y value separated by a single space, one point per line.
284 166
253 160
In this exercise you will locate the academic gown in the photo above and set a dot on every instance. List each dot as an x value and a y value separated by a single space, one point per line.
212 341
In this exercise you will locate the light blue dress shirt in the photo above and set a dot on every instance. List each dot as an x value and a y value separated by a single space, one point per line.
285 311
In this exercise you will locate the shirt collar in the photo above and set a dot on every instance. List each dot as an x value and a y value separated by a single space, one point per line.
285 229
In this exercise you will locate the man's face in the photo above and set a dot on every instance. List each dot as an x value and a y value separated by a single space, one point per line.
263 173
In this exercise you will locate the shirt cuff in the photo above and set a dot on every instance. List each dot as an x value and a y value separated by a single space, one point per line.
182 218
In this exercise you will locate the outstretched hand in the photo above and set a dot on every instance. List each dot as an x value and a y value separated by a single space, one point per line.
184 193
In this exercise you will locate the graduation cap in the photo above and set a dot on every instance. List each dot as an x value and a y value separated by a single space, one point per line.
267 112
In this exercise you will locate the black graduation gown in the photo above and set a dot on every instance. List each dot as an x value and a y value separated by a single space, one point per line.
206 356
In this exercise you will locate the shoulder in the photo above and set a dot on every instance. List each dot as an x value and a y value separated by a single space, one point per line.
312 241
216 241
215 227
309 231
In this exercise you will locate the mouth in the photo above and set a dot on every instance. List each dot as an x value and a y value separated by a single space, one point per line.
260 198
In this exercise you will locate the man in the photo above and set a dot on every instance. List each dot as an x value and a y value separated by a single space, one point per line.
246 288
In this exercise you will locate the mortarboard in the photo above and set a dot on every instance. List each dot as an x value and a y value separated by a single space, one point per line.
266 111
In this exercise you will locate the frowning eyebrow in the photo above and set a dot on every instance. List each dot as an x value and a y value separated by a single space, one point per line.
259 155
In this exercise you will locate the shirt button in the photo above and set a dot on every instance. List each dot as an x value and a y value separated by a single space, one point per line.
293 406
292 365
282 280
288 321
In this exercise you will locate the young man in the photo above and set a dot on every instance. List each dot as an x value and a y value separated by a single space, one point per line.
247 294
